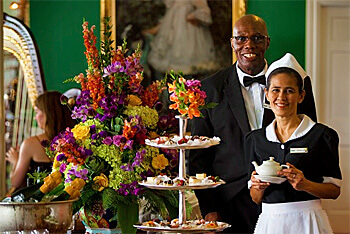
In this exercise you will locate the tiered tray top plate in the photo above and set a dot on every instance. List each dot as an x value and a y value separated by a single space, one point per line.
188 142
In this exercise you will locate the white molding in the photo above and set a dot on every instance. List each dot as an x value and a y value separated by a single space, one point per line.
313 19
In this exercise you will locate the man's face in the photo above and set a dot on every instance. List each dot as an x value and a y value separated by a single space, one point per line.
250 51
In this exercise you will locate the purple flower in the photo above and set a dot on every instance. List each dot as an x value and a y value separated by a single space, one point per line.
118 140
126 189
93 129
126 167
138 158
84 152
130 68
94 136
80 112
60 157
108 141
88 152
77 173
113 68
84 98
202 94
82 174
63 167
128 144
192 83
134 188
123 189
102 134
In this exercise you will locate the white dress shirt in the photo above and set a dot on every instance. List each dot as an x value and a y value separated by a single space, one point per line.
254 98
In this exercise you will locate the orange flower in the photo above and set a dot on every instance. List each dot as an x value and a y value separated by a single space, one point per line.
183 111
174 98
172 87
128 131
186 95
182 80
193 112
174 106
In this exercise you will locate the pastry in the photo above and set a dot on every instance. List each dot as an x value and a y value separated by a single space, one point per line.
201 176
193 180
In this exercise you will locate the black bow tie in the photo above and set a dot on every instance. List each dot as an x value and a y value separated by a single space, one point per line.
247 80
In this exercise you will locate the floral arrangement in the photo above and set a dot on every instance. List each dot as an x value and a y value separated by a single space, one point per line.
106 148
187 97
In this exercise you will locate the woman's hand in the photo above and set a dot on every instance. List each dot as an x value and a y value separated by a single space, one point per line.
12 155
257 184
322 190
258 188
295 177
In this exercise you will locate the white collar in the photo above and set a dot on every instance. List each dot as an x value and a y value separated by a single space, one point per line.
304 127
241 74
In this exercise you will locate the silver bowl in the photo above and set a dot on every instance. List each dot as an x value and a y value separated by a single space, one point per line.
56 217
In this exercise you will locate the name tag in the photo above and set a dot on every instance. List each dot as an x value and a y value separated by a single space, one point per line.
267 106
298 150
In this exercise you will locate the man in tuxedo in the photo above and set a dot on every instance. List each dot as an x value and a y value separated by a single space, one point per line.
239 92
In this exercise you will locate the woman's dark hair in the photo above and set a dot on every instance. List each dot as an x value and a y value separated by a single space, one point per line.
286 70
58 116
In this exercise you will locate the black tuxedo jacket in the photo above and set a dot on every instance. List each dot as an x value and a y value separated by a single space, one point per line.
229 121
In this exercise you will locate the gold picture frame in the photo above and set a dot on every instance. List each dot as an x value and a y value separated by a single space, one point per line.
108 8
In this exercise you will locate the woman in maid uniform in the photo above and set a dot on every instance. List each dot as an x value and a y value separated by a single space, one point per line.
309 149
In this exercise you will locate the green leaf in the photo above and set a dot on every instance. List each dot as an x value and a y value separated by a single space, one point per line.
38 176
69 80
211 105
99 110
127 215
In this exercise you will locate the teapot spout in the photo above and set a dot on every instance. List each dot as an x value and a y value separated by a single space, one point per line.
255 165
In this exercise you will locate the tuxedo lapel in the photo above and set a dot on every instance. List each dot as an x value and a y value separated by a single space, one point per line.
233 95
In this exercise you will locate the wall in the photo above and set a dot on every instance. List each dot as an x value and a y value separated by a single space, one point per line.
285 21
56 26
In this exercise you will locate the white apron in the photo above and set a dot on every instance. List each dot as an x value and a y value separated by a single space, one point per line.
306 217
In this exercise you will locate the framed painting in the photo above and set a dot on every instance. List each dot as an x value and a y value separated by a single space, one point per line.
191 36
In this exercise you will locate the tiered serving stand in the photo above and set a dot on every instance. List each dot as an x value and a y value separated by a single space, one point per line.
182 189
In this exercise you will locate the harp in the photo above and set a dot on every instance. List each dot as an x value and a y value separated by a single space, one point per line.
24 81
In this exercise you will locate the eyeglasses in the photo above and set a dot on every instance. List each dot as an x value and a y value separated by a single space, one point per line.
244 39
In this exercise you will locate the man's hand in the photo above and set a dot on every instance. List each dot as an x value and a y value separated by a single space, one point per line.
213 216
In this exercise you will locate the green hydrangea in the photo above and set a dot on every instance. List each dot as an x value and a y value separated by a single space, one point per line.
149 116
110 153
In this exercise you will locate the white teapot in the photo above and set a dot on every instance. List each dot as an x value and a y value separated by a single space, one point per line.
269 167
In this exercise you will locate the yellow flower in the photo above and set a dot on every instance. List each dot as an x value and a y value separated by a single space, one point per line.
160 162
134 100
81 132
100 182
73 189
56 164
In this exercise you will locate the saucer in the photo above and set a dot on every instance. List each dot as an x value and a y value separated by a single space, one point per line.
271 179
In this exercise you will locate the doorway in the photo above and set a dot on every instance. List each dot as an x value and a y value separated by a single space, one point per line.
328 63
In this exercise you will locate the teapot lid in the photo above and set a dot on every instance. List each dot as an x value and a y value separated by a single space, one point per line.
270 161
